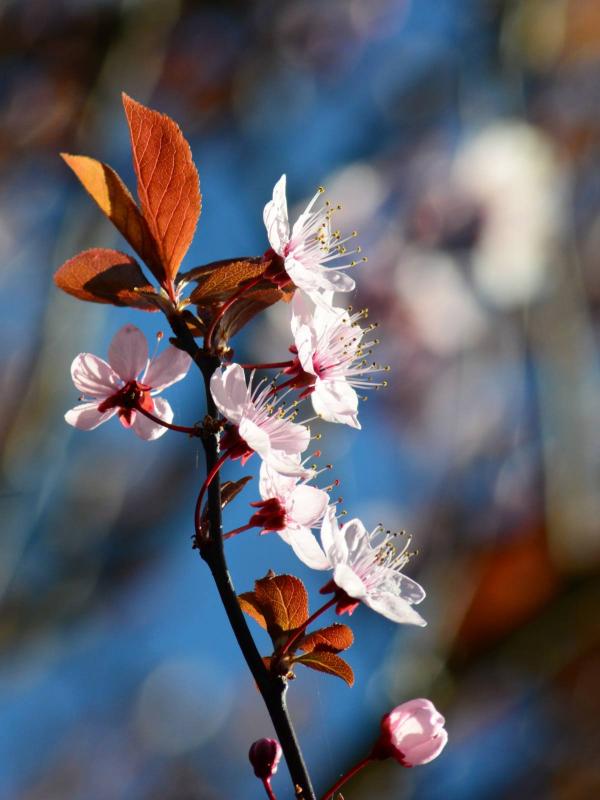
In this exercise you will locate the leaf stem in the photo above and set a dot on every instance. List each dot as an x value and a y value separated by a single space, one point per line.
212 473
269 789
346 777
270 365
179 428
299 633
208 341
272 688
235 531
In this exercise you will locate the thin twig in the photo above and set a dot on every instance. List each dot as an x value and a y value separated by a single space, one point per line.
272 687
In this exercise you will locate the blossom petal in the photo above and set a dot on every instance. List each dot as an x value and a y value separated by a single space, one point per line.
93 376
395 608
303 311
170 366
128 352
332 538
410 589
305 546
286 464
426 751
306 505
290 437
255 437
146 428
318 279
336 401
274 484
306 345
86 416
345 577
356 537
275 216
229 391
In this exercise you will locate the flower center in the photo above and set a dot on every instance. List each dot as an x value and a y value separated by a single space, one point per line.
129 397
271 515
232 442
276 271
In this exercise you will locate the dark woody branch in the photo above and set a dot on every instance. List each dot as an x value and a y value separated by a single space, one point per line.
210 544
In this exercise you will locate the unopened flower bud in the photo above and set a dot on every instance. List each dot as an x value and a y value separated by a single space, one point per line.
264 756
413 733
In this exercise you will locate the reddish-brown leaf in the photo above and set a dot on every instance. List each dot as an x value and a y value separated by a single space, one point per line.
332 639
108 190
247 307
106 276
168 184
250 605
220 279
328 662
231 489
283 601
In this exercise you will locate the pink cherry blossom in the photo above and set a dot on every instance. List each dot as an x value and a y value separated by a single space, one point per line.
310 247
413 733
291 509
258 422
330 359
129 378
366 569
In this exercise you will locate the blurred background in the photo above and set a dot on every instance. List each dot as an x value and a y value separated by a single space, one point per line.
463 139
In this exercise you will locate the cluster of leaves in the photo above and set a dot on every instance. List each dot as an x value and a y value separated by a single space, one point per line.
160 230
279 603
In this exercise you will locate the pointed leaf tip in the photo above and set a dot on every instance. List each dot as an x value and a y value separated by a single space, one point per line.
168 183
329 663
333 639
105 186
106 276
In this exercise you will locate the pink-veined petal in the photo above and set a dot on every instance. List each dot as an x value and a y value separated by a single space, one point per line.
290 437
93 376
275 216
286 464
332 538
86 416
128 352
356 536
395 608
229 391
305 546
336 401
345 577
303 311
170 366
306 343
307 504
255 437
146 428
274 484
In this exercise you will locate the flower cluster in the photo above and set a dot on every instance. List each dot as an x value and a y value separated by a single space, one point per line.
330 367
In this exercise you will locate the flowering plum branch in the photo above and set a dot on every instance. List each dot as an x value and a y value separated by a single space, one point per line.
305 264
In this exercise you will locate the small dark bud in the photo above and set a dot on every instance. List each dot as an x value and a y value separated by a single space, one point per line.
264 756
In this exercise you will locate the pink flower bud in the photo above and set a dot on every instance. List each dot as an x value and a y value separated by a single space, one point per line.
413 733
264 756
